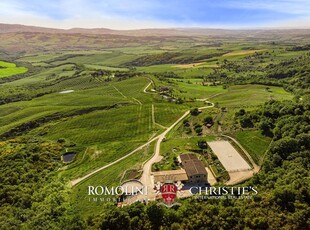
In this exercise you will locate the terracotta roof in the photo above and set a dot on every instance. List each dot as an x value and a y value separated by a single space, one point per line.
189 156
177 175
192 165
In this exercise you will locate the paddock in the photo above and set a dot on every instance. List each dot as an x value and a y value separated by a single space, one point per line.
229 156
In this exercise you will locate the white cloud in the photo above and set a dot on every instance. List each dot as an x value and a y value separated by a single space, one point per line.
134 14
77 13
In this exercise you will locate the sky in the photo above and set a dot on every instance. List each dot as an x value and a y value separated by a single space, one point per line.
137 14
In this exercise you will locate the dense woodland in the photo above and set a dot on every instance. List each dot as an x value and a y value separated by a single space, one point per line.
292 74
31 195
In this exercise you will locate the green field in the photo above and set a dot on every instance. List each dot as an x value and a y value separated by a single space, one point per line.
111 134
193 89
109 177
251 95
103 136
183 145
167 113
255 143
8 69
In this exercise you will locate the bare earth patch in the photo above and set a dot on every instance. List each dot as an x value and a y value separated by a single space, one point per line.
67 91
237 177
211 178
228 156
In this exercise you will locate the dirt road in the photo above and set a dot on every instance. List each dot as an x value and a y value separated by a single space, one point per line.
146 175
78 180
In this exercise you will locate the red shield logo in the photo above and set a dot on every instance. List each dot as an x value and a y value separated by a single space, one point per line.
169 192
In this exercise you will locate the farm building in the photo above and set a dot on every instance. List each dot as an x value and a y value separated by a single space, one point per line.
177 175
194 168
193 171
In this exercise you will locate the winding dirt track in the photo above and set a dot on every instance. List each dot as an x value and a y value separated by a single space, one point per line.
80 179
146 178
146 175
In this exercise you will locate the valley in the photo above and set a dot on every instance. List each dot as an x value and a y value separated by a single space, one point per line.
127 105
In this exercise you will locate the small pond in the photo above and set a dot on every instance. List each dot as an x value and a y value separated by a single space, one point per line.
68 157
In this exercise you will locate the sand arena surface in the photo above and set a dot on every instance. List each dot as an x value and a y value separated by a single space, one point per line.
228 156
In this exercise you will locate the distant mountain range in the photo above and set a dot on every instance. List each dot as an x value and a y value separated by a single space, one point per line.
20 38
16 28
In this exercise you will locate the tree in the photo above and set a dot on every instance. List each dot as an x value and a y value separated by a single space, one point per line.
208 120
61 140
265 127
179 101
155 214
285 198
202 144
241 112
284 147
198 129
194 112
186 123
115 219
246 122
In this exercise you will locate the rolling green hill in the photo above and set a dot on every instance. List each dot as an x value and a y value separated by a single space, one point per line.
101 96
8 69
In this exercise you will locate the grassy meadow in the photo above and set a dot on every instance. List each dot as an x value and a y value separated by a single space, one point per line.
251 95
254 142
8 69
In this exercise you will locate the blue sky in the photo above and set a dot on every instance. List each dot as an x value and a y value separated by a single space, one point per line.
133 14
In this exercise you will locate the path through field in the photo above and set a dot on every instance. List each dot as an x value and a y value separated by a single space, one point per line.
146 175
119 91
153 118
146 178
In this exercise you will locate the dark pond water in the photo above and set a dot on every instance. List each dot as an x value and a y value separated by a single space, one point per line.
69 156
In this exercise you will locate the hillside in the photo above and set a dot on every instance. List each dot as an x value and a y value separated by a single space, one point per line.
94 106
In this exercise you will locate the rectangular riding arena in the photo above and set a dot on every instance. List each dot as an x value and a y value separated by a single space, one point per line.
229 156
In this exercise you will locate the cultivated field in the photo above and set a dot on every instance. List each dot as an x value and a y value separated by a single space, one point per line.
254 142
110 177
251 95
